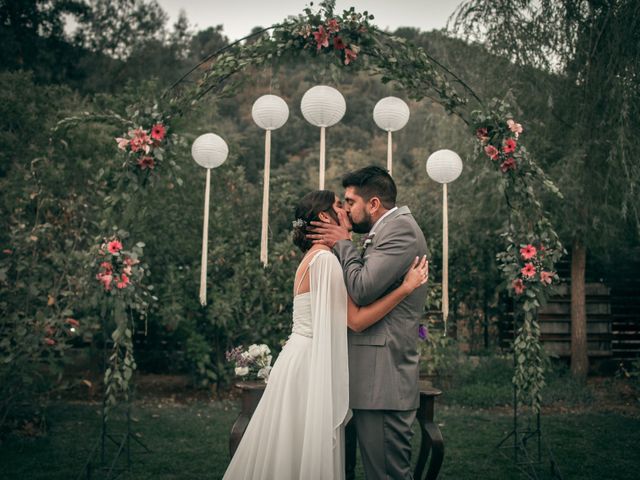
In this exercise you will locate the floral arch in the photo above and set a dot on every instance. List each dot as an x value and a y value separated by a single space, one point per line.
349 41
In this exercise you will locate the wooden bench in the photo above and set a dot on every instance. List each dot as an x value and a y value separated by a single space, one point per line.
431 441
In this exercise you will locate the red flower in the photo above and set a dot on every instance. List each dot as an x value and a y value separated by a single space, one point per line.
333 26
349 56
145 162
73 322
546 277
518 286
158 131
122 282
529 270
509 145
508 164
114 246
482 134
528 252
338 44
321 37
492 152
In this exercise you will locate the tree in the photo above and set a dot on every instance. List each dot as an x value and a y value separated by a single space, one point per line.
116 28
33 38
592 50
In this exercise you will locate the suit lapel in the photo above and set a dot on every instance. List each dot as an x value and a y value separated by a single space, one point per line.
400 211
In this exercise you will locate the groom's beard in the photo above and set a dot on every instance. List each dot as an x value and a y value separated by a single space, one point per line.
362 227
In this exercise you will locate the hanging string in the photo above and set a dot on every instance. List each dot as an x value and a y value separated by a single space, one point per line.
265 199
389 153
205 242
445 258
322 156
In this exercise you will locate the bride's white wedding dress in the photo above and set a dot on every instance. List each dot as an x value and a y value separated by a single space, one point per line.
297 430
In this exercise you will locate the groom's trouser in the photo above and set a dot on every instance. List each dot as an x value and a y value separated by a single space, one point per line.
385 443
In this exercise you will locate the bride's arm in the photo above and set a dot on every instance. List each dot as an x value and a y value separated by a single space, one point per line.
361 318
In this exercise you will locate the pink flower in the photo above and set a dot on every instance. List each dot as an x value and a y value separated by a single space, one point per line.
127 269
73 322
528 252
140 140
514 127
49 341
114 246
529 270
158 131
518 286
492 152
321 37
333 26
509 145
546 277
123 143
131 261
508 164
122 282
145 162
349 55
105 279
338 44
107 266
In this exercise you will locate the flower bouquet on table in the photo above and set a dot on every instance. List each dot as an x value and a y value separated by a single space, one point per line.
254 363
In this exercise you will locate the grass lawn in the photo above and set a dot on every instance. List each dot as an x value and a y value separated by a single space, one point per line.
189 441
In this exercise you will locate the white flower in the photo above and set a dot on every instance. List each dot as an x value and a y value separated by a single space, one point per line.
264 350
242 371
264 373
255 351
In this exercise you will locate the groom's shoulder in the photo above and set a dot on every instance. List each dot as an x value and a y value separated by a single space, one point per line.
404 221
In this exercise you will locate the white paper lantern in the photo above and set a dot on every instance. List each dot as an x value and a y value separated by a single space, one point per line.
444 166
391 114
323 106
209 150
270 112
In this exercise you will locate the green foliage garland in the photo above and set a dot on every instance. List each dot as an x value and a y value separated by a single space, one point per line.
350 42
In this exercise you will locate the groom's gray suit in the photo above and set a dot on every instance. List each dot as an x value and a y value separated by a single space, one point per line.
383 359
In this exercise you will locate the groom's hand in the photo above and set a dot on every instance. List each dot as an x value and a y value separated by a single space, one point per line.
329 234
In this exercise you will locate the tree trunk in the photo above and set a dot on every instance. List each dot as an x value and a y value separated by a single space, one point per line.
579 358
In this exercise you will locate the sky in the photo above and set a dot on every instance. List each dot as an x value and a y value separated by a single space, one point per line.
240 16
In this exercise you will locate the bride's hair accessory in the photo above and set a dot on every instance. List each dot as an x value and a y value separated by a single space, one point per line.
299 223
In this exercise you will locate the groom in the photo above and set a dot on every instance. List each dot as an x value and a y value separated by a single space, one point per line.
383 359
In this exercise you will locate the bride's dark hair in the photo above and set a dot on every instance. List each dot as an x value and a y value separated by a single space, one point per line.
308 209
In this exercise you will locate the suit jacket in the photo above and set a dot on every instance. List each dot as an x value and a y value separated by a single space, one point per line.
383 359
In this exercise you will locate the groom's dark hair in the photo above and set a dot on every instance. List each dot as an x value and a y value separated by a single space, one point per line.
373 182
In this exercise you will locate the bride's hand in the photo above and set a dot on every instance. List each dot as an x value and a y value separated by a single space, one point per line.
417 275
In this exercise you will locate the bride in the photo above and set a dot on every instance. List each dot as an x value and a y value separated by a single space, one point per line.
297 430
